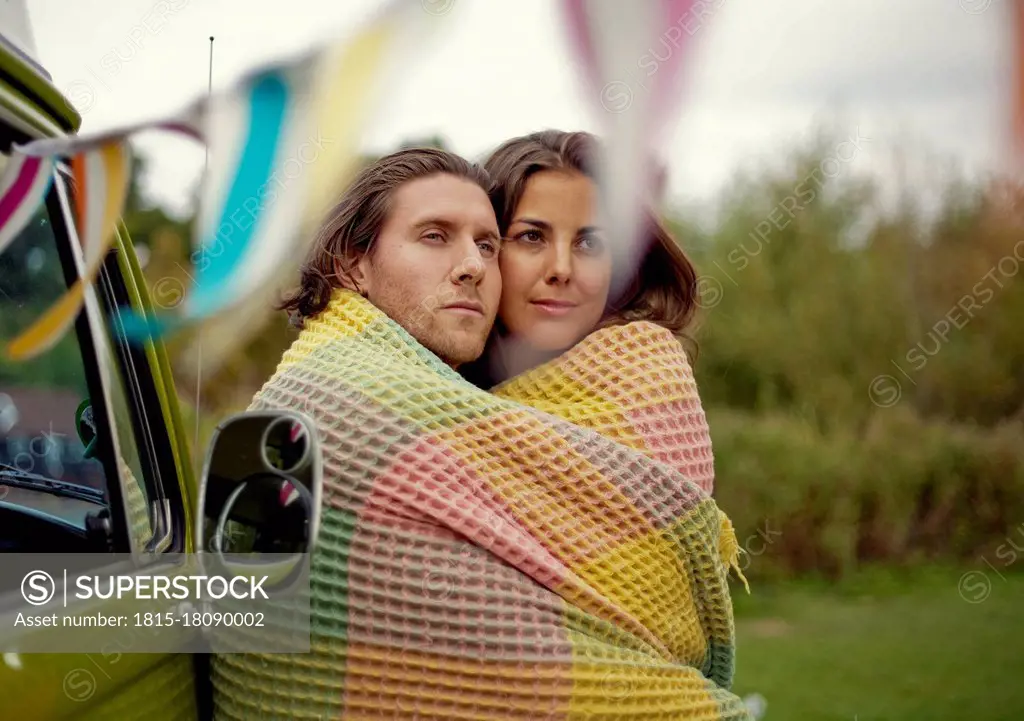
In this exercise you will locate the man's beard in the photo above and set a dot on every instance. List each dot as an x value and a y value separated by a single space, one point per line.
454 343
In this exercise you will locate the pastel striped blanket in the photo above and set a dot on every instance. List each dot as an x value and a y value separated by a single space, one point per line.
482 559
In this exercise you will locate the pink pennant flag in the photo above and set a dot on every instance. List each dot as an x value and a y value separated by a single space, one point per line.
23 189
655 65
633 59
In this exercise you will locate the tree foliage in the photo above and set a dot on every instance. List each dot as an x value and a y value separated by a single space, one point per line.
861 360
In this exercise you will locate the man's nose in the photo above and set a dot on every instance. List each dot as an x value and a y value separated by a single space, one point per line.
470 268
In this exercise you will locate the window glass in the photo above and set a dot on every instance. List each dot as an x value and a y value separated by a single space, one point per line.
51 467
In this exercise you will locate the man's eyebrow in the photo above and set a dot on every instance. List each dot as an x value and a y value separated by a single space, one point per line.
434 222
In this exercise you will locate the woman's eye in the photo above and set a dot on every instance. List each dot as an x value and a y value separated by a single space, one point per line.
590 243
530 236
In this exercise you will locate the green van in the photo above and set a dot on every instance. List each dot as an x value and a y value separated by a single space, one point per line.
94 457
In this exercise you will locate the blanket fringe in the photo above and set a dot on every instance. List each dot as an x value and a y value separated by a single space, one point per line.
729 547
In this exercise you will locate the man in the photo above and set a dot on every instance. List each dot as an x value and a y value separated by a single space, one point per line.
416 235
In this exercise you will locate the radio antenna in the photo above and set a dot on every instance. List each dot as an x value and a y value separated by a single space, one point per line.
199 347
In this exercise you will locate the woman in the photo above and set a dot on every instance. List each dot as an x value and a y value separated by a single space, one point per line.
558 321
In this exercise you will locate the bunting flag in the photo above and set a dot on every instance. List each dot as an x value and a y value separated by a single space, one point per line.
100 180
632 59
282 144
349 85
23 188
636 48
244 229
345 86
101 172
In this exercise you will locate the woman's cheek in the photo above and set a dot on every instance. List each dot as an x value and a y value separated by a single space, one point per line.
596 282
513 292
517 275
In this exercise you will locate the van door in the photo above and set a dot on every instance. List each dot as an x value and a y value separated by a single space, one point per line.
85 466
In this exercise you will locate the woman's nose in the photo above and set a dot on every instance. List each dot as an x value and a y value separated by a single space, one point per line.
559 268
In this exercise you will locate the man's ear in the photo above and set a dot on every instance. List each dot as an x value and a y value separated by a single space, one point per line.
356 277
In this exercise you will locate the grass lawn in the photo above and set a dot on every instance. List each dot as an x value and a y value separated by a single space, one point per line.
884 646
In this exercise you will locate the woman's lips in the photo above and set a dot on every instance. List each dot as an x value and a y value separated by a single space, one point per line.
553 307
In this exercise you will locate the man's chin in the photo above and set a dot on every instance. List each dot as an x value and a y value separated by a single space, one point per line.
456 339
459 347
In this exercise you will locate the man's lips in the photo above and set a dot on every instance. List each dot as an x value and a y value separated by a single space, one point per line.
465 307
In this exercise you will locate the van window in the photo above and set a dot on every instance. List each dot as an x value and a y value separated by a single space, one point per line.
51 473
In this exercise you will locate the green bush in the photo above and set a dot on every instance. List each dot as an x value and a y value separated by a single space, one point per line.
804 306
906 491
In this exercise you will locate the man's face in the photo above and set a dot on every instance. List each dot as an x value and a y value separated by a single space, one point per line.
434 267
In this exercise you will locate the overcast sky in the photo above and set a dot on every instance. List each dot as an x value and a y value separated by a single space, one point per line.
930 75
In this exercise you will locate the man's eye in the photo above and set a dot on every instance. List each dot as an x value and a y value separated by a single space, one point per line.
434 236
488 248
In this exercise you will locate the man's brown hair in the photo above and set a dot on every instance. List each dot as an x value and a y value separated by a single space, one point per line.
355 222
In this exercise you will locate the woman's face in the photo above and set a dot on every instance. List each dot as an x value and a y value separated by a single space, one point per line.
555 267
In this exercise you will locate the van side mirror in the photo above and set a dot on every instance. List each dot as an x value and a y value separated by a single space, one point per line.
261 486
86 427
258 519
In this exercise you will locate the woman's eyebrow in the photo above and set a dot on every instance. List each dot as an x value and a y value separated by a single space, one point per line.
543 225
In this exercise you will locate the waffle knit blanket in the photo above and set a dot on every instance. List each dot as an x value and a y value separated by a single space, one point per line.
633 384
481 559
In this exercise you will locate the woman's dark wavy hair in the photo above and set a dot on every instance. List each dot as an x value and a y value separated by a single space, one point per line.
354 223
663 289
